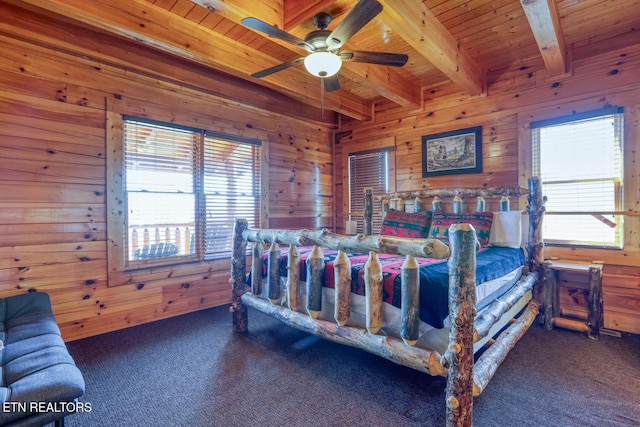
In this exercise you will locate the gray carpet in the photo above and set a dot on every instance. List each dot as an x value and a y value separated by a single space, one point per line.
193 370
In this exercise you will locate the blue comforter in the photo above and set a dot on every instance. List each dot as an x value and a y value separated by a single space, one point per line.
491 263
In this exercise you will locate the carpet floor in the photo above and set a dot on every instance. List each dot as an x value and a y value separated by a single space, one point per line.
192 370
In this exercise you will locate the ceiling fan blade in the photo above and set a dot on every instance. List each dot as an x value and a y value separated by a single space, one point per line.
363 12
379 58
270 30
331 84
277 68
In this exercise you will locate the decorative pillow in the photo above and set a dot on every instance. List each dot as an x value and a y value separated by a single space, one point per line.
506 230
406 224
481 221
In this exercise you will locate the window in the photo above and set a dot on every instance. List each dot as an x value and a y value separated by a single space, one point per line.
160 190
183 188
368 169
231 187
579 162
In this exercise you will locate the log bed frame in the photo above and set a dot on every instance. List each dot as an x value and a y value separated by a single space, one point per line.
465 379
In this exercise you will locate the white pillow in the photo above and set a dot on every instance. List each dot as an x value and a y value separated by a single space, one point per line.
506 229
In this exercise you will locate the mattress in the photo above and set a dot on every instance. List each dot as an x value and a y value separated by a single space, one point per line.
497 269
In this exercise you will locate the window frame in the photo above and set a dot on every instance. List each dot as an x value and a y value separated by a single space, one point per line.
256 207
618 183
117 227
377 211
135 264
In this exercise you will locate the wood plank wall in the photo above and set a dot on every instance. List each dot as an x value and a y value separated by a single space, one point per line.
53 170
603 75
52 162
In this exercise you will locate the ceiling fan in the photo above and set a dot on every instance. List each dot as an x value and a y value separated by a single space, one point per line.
325 58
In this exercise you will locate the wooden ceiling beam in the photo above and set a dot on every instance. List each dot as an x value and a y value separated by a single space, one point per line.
296 12
385 81
418 26
270 11
158 28
544 21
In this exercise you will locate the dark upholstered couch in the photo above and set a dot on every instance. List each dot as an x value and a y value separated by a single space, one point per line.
40 381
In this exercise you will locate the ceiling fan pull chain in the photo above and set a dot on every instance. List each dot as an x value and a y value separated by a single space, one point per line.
322 97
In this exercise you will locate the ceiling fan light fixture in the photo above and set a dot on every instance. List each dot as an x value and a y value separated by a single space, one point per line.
322 64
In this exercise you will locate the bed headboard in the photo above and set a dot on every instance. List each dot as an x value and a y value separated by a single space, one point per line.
416 201
486 199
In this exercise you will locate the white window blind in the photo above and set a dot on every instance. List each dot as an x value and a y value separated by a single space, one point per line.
231 190
159 188
183 188
579 162
368 169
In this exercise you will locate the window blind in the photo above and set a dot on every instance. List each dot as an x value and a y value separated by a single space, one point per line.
231 186
368 169
184 188
159 166
579 161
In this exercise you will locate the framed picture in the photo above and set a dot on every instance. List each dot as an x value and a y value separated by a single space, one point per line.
452 153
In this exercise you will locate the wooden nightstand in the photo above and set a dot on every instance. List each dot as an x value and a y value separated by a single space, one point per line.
573 296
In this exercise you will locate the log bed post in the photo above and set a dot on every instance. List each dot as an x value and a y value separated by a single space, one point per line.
548 282
535 244
595 301
385 207
462 300
457 205
238 276
315 279
372 273
273 273
256 268
373 293
293 277
417 205
342 283
436 204
368 211
410 301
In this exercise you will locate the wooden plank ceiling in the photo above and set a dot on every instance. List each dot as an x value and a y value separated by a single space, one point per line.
454 42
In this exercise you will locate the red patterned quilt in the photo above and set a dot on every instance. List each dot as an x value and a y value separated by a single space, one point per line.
491 263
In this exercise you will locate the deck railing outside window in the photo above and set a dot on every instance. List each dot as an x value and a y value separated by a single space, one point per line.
176 239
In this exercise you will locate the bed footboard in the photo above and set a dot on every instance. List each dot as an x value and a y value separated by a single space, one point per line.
456 363
390 348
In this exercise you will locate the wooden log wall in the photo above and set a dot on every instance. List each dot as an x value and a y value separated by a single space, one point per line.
55 79
57 84
602 75
621 298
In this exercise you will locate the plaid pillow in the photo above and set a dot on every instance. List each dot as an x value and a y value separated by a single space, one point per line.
406 224
481 221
